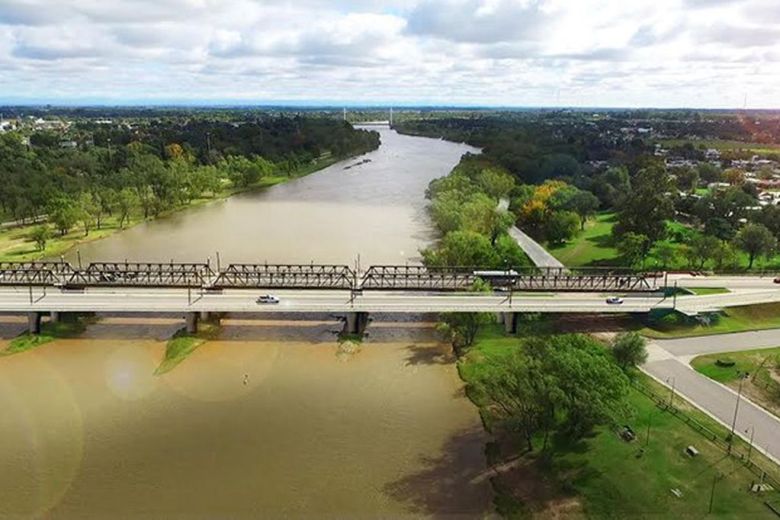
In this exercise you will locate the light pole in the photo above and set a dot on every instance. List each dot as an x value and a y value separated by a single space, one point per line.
742 377
750 446
674 385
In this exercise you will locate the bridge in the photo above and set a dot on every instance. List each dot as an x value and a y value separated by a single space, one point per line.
198 290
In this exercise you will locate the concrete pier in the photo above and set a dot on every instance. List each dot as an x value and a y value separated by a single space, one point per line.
356 322
192 322
55 317
34 322
510 322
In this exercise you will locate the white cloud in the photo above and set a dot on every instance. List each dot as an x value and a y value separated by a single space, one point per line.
503 52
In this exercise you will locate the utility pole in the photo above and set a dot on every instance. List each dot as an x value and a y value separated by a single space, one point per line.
736 409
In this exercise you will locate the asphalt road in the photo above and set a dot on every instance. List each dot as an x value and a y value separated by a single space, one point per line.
669 363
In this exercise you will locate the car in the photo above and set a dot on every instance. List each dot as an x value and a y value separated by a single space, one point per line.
777 280
614 300
266 298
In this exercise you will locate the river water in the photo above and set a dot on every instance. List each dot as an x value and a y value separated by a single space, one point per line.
270 419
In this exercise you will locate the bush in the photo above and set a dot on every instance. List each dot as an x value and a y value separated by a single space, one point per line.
725 362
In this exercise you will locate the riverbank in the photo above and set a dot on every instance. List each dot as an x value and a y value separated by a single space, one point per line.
17 246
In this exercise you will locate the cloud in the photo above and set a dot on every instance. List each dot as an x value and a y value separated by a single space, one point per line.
504 52
477 21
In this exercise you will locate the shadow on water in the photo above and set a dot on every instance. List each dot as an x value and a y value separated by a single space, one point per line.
450 485
426 355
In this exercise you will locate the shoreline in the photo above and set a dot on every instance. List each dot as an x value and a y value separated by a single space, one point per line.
16 246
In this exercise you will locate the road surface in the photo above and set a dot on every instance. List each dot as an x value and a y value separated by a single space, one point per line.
538 255
668 362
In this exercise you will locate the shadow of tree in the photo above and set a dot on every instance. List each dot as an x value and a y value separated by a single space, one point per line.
454 484
429 355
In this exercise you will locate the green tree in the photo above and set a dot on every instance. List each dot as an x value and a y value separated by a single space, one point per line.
584 204
629 350
481 215
647 206
755 240
127 200
632 247
561 226
665 252
462 248
496 183
40 235
64 213
461 328
87 209
564 383
703 248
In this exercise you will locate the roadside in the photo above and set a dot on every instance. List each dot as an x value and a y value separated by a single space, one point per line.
538 254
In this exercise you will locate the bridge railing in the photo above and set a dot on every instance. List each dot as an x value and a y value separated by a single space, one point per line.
322 276
285 276
34 274
138 274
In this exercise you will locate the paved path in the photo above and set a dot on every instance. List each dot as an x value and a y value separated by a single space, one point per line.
538 255
668 361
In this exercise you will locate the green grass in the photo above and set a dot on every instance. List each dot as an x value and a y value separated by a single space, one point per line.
49 332
606 475
733 319
593 246
182 344
704 291
744 361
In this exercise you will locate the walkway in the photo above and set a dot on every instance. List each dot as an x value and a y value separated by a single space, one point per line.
668 362
538 255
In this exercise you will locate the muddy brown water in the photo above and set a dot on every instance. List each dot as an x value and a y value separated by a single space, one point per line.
271 419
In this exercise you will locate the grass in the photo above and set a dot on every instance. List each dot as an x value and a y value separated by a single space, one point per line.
733 319
761 364
16 246
704 291
67 328
591 247
604 476
182 344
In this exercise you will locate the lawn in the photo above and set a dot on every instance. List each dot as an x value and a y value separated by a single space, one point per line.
182 344
591 247
724 144
763 365
604 476
733 319
704 291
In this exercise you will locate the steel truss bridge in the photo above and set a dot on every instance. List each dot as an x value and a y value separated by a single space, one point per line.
322 276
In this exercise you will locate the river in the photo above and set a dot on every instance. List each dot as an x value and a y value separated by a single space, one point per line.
270 419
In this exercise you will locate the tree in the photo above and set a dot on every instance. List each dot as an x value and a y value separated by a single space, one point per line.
127 200
87 209
496 183
561 226
509 252
687 179
725 256
709 172
647 206
462 248
755 240
584 204
565 383
64 213
665 252
461 328
40 235
629 350
702 248
481 215
632 247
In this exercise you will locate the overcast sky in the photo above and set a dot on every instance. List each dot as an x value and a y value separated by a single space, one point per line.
663 53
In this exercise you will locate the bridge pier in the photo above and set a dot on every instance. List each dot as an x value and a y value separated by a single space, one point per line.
55 317
34 322
356 322
192 322
510 322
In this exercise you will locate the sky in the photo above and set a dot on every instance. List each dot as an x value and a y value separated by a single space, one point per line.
514 53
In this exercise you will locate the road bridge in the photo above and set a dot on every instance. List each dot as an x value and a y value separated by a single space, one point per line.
195 289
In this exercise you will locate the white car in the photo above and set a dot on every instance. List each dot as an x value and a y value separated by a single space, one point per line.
614 300
266 298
